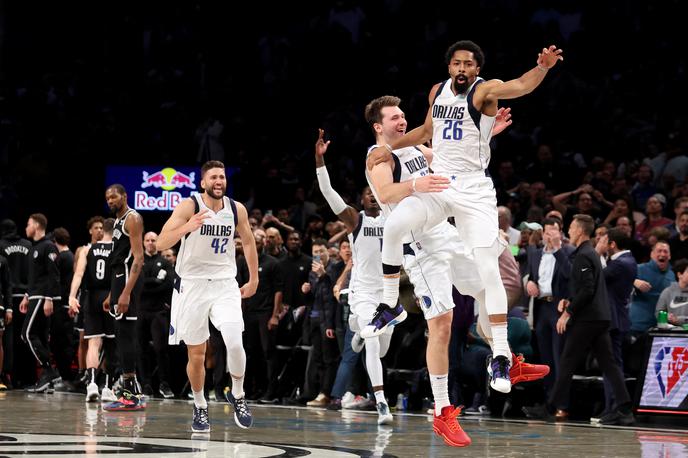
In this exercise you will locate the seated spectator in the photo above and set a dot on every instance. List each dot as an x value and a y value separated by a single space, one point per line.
679 242
653 278
674 298
653 210
680 206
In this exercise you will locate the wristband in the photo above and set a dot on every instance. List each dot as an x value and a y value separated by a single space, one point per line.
413 184
542 68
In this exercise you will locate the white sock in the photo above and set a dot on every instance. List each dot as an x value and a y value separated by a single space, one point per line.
440 391
390 292
199 400
380 397
237 386
500 341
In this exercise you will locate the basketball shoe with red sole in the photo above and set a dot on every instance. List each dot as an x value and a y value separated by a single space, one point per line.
448 428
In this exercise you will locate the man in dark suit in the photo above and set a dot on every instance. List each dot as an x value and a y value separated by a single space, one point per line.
549 268
619 275
589 315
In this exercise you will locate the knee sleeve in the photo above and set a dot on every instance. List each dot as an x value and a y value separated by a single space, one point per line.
236 356
488 268
373 363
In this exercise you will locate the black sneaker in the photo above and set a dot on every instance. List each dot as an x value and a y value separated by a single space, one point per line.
617 417
242 414
200 422
148 390
335 404
165 390
45 383
537 412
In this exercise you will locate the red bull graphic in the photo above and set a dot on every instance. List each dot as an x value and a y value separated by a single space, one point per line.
159 188
168 179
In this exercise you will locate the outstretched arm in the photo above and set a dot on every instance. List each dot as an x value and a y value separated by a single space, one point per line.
487 94
347 214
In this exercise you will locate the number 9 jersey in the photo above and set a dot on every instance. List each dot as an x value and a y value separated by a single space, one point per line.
208 252
98 275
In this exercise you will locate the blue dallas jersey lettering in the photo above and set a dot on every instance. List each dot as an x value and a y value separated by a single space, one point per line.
461 134
209 252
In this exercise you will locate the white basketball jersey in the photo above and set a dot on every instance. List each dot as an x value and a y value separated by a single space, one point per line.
208 252
460 133
366 253
409 163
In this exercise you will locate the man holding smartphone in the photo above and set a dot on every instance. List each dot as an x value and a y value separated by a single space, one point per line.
324 353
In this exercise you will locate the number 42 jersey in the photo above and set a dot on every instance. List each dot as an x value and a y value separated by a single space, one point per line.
208 252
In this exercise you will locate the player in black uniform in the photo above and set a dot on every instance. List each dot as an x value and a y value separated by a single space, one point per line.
16 250
126 262
95 231
43 291
93 276
62 342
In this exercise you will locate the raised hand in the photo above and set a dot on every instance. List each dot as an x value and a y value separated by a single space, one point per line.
549 57
321 145
196 220
502 120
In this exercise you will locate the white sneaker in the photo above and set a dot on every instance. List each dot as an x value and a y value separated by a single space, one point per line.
92 392
107 395
384 417
357 343
348 399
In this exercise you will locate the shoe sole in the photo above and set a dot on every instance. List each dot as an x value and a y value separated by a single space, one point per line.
386 420
236 420
93 397
374 333
200 430
123 409
447 440
501 387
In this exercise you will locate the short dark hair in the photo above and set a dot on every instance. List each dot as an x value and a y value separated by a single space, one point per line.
61 236
320 242
373 111
679 201
211 165
40 219
680 266
551 222
586 223
118 188
93 220
108 225
618 236
466 45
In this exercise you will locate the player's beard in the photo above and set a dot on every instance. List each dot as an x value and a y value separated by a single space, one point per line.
114 211
460 87
211 193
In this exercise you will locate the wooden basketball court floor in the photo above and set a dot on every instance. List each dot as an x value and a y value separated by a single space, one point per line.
63 425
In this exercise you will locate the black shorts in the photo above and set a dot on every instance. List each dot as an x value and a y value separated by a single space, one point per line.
97 322
119 280
79 317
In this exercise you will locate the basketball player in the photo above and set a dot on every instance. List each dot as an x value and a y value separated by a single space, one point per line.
95 231
460 122
207 288
126 262
92 275
434 260
364 230
38 303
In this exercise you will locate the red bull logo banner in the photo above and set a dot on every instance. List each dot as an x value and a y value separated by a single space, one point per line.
666 375
156 188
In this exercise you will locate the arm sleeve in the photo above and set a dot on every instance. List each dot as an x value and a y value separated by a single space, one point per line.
333 199
52 272
6 292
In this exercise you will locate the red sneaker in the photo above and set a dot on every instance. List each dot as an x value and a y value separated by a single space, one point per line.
521 371
447 427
